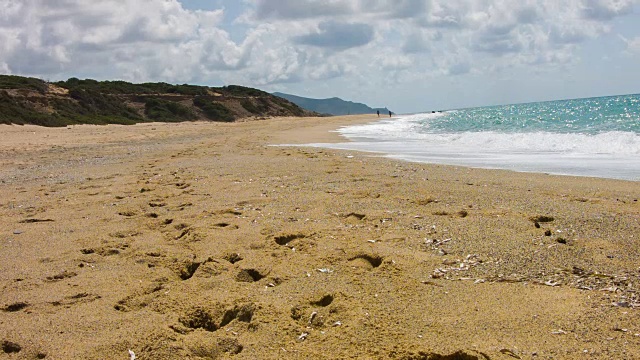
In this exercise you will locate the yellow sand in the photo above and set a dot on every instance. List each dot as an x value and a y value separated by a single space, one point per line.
203 241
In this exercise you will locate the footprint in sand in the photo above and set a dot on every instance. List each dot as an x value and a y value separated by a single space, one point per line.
317 312
222 225
365 261
212 319
9 347
127 213
76 299
61 276
182 185
125 234
324 301
157 203
207 348
15 307
141 298
250 275
287 238
107 250
233 257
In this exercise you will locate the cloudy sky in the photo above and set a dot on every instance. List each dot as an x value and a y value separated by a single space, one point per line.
408 55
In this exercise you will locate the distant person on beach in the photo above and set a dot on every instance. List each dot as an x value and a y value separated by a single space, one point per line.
378 113
389 113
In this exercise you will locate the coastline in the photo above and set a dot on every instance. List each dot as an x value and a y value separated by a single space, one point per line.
325 131
381 138
203 240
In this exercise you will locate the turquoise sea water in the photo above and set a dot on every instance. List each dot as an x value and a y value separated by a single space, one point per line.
597 137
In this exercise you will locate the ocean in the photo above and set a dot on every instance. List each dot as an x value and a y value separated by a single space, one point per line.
597 137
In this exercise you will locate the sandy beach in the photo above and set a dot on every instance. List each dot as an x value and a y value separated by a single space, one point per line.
205 241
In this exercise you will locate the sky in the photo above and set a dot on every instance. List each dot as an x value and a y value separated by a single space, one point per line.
407 55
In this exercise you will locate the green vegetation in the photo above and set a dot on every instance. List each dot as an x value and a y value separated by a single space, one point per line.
28 101
186 89
213 110
91 102
13 112
293 108
123 87
167 111
237 90
255 106
95 109
19 82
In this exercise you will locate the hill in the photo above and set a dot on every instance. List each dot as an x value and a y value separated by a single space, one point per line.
332 106
25 100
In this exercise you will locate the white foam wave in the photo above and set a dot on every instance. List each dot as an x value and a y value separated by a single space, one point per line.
613 154
406 127
621 143
413 130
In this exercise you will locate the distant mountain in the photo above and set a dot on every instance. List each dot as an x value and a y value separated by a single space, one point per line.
26 100
332 106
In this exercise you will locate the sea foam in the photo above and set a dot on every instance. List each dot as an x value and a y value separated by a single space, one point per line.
554 137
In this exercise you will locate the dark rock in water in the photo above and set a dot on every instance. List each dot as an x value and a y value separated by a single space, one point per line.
547 232
536 224
561 240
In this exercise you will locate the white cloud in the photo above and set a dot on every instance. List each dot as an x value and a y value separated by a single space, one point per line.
337 35
459 68
289 41
392 62
633 45
329 70
607 9
420 41
111 38
300 9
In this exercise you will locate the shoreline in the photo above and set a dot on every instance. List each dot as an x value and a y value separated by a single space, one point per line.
203 240
593 166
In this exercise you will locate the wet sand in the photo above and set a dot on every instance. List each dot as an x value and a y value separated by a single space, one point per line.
204 241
